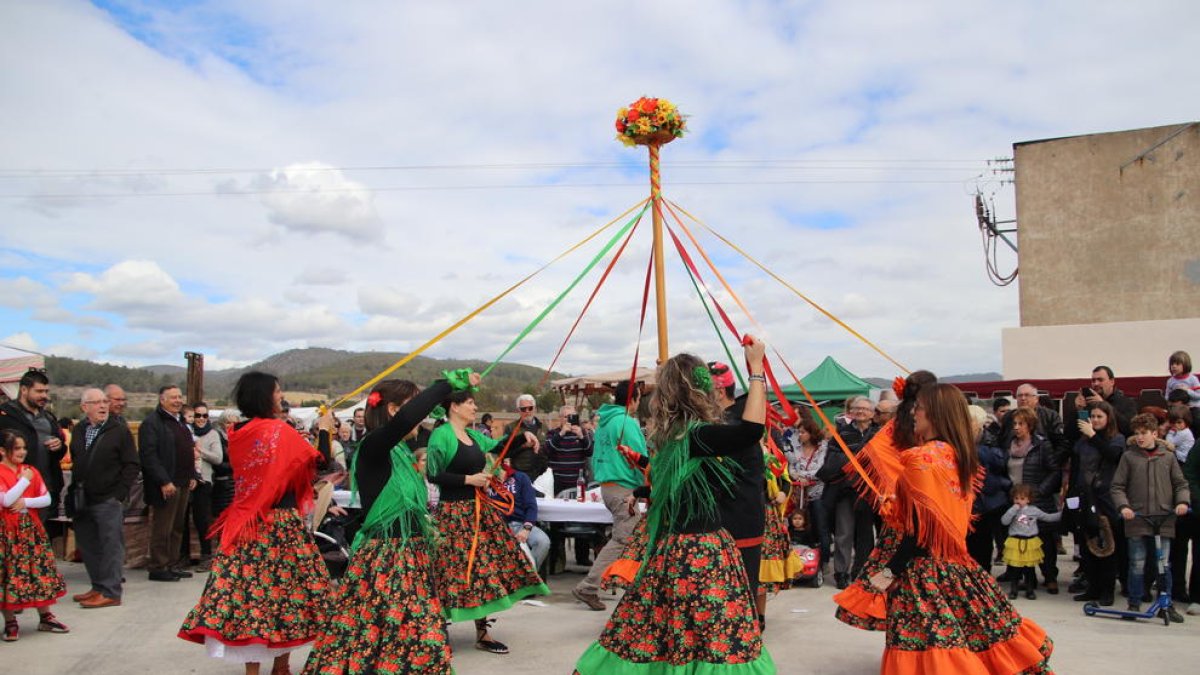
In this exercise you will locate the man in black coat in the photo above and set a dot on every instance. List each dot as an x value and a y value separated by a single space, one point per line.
27 416
1104 388
851 518
1049 424
168 473
104 468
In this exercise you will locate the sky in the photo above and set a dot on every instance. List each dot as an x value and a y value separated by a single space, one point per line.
238 178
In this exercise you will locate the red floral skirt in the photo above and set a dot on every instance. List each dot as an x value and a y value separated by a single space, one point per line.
28 574
624 569
388 617
689 610
861 605
952 617
272 590
501 574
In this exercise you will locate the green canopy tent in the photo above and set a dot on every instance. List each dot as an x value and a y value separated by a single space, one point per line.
830 385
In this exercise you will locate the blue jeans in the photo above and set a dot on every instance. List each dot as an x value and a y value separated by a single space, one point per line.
1138 546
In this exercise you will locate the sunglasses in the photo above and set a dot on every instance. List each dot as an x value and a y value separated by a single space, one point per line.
526 408
204 415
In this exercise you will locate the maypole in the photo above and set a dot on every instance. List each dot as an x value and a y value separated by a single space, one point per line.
654 122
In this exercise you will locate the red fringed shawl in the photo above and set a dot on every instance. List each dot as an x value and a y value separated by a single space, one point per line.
269 459
9 478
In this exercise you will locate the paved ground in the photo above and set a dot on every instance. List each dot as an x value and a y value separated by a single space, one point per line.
802 635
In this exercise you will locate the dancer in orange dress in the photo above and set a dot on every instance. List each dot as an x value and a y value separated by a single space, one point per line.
945 614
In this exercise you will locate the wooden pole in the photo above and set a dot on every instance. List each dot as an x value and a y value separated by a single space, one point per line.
660 279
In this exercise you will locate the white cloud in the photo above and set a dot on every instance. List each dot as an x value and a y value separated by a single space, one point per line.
22 340
314 197
322 276
522 96
130 285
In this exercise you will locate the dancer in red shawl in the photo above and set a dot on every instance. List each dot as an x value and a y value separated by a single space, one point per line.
268 593
28 575
945 613
862 605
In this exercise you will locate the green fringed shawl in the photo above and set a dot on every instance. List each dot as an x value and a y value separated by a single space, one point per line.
682 487
443 444
402 503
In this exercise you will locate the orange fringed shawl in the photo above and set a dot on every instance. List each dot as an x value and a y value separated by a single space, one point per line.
929 488
269 459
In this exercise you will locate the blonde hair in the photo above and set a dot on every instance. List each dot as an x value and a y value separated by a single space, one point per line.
677 400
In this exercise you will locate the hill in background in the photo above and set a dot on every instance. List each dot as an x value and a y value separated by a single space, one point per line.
330 373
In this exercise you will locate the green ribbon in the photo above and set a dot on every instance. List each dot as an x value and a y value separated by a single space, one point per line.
588 268
733 363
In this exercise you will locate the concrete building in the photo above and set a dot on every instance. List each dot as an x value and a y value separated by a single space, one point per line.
1109 237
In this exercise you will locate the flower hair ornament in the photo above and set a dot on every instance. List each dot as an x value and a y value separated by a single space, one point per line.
438 413
374 399
898 387
702 379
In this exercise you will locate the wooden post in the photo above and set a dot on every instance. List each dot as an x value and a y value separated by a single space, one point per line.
660 280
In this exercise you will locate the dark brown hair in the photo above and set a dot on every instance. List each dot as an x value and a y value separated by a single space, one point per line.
1110 427
390 391
1022 490
913 384
946 409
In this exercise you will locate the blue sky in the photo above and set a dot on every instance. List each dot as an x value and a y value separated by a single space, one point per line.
239 178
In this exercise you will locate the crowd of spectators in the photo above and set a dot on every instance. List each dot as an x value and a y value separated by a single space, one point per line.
1077 472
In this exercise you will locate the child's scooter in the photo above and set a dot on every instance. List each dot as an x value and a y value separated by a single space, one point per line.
1162 601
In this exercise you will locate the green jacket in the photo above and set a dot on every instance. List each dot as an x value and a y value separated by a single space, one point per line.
608 465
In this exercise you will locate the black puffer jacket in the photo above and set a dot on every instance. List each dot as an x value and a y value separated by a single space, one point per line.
1094 462
1043 472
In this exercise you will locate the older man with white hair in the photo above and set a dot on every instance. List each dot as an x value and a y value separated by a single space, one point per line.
526 453
105 466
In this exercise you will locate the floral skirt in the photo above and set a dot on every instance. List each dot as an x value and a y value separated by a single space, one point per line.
861 605
500 575
388 617
1023 551
28 574
271 591
690 611
780 562
952 617
624 569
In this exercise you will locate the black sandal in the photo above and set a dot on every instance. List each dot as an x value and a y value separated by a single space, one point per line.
11 630
482 641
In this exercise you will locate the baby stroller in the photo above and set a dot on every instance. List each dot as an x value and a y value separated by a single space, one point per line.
330 531
798 528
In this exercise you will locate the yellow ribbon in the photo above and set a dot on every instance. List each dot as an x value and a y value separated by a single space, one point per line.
458 324
776 277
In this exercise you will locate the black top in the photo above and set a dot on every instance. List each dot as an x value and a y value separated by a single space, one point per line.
724 440
373 467
468 459
743 506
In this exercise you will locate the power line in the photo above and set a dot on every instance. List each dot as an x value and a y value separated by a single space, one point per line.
417 188
778 164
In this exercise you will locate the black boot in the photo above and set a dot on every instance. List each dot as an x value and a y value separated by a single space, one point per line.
1012 592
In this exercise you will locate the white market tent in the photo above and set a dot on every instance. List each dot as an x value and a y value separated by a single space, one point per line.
13 364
